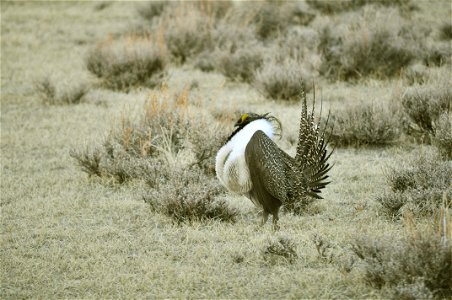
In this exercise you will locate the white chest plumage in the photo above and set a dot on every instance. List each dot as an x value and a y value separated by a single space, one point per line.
230 164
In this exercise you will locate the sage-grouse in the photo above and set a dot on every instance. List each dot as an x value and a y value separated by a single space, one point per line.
251 164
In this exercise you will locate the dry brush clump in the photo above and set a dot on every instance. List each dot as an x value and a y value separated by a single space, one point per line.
190 196
187 32
235 52
181 186
279 249
446 31
62 93
370 42
152 9
129 61
418 184
416 266
365 125
332 6
428 109
268 19
282 80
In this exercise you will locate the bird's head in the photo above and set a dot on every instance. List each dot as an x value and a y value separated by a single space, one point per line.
247 118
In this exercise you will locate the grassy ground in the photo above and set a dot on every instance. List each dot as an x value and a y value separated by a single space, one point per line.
64 235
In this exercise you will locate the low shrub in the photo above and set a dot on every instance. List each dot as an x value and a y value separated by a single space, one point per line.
152 9
436 53
88 160
187 33
443 135
145 148
424 105
280 248
445 31
214 9
369 42
190 196
364 125
241 64
282 80
128 62
418 184
413 267
416 74
206 138
235 52
63 94
325 248
269 20
332 7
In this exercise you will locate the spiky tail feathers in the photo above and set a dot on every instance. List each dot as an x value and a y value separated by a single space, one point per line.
312 156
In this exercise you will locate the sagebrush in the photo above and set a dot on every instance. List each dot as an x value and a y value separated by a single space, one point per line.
365 124
418 183
412 267
128 62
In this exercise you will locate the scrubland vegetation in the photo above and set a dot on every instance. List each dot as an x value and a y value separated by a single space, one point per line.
112 114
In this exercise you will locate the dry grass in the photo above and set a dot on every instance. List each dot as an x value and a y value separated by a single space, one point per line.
68 235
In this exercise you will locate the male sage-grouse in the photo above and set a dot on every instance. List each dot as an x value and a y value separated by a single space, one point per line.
251 164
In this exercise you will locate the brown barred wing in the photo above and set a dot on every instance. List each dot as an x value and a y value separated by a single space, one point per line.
270 171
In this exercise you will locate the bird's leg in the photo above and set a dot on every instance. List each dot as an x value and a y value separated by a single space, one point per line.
275 221
264 217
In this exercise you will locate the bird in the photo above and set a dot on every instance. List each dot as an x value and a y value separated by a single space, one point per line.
250 163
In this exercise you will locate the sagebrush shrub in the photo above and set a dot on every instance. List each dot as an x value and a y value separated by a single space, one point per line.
416 267
282 80
88 160
370 42
446 31
418 184
190 196
364 125
128 62
241 64
214 9
206 137
269 20
152 9
187 33
62 94
280 247
145 148
324 247
436 53
416 74
332 6
235 52
443 135
424 105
